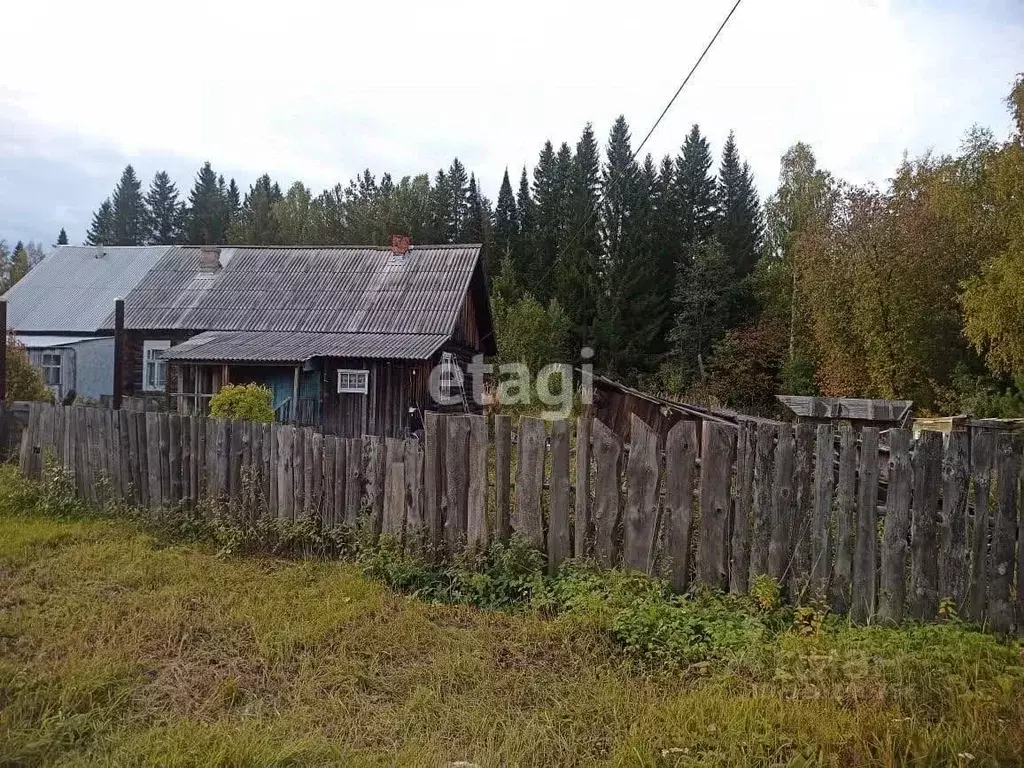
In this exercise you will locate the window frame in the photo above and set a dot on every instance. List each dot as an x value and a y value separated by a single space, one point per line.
354 389
154 345
50 366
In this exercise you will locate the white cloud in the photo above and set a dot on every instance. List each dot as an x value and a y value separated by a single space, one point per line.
319 91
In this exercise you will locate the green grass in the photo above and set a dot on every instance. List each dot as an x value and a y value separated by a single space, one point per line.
118 647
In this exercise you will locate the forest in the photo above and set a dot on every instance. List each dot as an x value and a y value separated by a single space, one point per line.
677 272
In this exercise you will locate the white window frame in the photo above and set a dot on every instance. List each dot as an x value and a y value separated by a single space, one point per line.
353 381
48 365
152 384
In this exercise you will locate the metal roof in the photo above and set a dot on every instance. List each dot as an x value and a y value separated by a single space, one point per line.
288 347
73 288
306 289
48 342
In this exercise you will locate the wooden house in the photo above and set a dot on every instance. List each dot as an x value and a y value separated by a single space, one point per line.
346 338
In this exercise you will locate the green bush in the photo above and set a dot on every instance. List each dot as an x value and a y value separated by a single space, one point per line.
244 402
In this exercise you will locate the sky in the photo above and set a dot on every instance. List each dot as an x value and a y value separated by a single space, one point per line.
318 91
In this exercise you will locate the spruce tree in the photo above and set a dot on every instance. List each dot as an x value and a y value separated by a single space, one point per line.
441 213
577 278
740 223
257 220
458 202
696 189
131 219
544 243
206 220
506 221
629 312
666 226
702 308
166 211
233 203
62 238
527 225
101 231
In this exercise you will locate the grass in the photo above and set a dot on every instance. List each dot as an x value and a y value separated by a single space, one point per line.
122 647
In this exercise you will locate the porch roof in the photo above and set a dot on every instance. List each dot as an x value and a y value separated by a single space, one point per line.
286 347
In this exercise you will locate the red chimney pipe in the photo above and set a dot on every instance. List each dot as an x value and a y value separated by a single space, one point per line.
400 244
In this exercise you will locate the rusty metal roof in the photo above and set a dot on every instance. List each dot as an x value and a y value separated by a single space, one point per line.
306 289
73 288
288 347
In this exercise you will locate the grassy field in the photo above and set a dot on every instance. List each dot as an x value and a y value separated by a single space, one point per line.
118 647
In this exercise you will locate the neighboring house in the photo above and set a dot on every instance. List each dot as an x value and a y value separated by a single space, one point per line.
59 311
345 337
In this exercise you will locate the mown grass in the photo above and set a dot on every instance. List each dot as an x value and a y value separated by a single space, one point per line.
121 647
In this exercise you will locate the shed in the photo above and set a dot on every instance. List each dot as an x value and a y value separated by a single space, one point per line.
857 411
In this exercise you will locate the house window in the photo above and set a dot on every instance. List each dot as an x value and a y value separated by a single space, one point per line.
154 376
353 380
51 369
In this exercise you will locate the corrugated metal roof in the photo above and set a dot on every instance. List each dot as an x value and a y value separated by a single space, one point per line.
48 342
306 289
288 347
863 409
73 290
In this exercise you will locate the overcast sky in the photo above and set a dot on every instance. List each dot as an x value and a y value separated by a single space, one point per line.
319 91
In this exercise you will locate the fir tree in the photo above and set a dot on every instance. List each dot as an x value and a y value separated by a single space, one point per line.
62 238
233 203
166 211
441 213
458 203
702 307
206 221
506 221
527 225
696 188
257 221
131 219
740 223
629 313
544 243
101 231
578 273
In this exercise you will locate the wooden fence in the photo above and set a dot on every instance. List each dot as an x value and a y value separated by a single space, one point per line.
879 531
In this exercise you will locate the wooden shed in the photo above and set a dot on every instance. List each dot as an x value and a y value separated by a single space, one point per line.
860 412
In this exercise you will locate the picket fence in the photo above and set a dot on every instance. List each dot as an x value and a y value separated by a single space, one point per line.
914 527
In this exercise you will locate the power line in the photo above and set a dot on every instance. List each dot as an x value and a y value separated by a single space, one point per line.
657 122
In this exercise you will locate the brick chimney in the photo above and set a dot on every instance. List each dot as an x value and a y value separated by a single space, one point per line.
400 244
209 258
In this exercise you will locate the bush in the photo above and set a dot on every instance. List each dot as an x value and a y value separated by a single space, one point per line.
244 402
23 381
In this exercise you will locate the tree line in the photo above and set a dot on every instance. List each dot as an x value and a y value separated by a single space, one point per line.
676 273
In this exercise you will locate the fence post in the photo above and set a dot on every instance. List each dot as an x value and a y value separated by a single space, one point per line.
118 353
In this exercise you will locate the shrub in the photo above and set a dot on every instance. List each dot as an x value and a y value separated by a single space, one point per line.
23 381
245 402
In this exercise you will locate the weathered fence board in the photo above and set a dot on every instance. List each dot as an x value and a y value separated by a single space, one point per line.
924 566
285 472
640 520
953 551
502 477
680 471
394 491
846 520
982 456
893 559
764 475
478 532
373 479
433 486
780 544
526 517
456 483
803 509
415 525
1004 533
865 545
607 450
559 538
821 516
717 448
582 528
739 549
354 481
